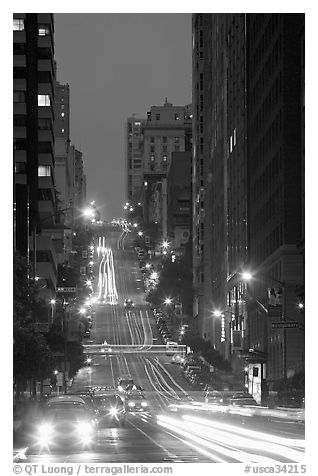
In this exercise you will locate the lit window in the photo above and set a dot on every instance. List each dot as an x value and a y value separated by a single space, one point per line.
176 116
18 24
231 144
63 130
62 106
44 30
44 171
177 140
164 158
44 100
152 157
234 137
62 115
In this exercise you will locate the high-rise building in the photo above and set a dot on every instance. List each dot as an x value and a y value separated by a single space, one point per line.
134 158
275 164
64 153
247 186
150 143
33 135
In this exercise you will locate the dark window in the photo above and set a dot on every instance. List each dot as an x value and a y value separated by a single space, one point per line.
20 167
19 73
45 194
157 117
44 77
18 48
44 124
19 120
164 139
18 96
45 147
44 53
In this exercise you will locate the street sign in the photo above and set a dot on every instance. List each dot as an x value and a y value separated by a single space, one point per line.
285 325
66 290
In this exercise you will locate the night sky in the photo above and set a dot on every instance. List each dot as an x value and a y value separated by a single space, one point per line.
117 65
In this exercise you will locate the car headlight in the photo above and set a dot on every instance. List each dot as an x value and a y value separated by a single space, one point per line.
84 428
113 411
131 404
45 432
144 404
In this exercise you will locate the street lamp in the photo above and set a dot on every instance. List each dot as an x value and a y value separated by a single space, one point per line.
168 301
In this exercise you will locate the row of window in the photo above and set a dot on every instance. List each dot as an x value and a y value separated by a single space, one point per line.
19 25
157 116
165 139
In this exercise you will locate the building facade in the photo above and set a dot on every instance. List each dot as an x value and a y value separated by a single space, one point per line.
248 198
33 136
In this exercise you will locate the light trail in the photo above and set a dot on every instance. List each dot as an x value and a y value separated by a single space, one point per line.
250 446
107 290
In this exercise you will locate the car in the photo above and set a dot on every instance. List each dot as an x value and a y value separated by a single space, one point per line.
111 409
242 399
88 399
66 422
87 334
136 403
131 389
129 304
124 382
177 359
215 397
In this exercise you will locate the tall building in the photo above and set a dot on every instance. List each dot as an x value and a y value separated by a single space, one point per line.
275 138
179 201
64 153
79 185
134 158
247 187
33 137
150 143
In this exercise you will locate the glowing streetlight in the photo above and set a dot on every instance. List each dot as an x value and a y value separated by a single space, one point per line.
168 301
88 282
140 233
125 207
154 275
147 265
135 225
217 313
246 276
301 305
165 244
82 310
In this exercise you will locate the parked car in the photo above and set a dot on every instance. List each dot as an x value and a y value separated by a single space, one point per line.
215 397
129 304
242 399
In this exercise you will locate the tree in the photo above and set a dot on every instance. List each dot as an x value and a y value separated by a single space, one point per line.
24 290
32 357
